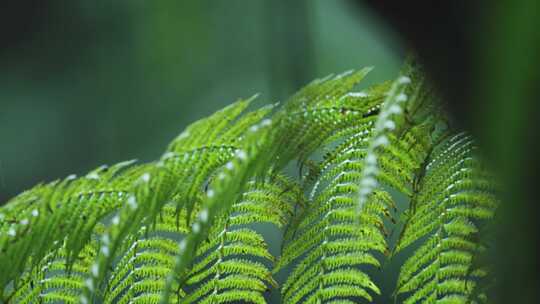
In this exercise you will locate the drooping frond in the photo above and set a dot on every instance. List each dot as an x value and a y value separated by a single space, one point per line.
379 139
181 173
273 143
207 144
138 277
223 190
40 220
233 264
330 246
55 279
336 237
185 228
454 197
321 109
227 264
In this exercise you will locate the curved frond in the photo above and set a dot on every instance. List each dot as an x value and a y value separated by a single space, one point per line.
185 228
39 220
330 239
455 196
235 260
55 279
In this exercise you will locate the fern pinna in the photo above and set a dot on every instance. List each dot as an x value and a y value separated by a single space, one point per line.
187 227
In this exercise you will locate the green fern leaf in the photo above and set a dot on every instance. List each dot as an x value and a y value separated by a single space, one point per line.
455 194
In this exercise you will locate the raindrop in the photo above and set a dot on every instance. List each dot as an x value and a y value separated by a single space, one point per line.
404 80
95 270
241 154
116 220
92 175
196 227
90 284
401 97
182 245
203 215
266 122
145 177
254 128
132 202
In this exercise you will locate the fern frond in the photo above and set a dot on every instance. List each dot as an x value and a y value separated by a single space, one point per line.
55 279
188 167
183 229
139 275
235 259
224 265
39 220
247 162
319 110
333 245
327 235
455 195
268 149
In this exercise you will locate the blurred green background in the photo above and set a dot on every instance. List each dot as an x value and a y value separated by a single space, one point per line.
97 82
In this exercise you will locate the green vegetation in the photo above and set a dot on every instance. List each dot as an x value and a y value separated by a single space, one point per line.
184 229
